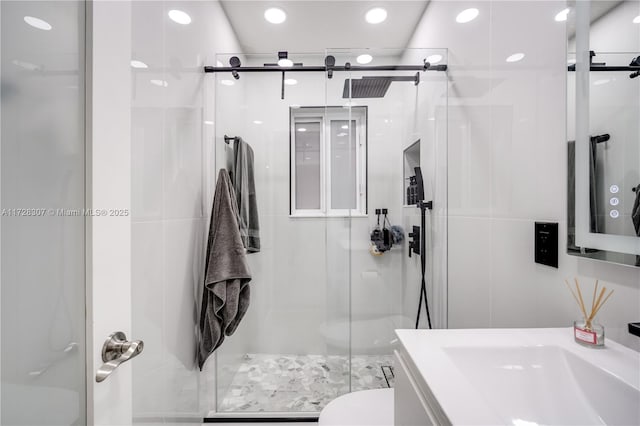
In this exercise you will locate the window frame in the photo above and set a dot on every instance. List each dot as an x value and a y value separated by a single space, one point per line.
325 115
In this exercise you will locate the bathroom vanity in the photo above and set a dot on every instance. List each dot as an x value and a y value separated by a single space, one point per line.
513 376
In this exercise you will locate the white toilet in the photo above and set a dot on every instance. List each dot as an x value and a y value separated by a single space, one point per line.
363 408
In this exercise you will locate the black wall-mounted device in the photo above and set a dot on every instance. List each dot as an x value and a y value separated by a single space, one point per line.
634 328
414 244
546 243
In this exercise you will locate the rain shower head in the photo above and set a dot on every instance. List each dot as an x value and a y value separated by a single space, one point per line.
366 87
373 87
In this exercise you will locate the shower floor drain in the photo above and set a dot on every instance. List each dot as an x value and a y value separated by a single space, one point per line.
389 376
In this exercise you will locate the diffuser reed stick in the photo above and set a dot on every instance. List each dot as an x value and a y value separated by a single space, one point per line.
596 302
593 299
584 310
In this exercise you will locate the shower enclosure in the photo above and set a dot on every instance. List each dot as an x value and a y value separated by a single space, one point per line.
330 149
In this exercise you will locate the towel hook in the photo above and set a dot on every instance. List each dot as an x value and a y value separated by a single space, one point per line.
228 139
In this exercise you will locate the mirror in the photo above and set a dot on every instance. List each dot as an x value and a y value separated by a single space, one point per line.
603 132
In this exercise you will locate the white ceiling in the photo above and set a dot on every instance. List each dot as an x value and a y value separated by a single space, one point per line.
313 26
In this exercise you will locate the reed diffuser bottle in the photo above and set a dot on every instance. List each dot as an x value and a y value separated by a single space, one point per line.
585 330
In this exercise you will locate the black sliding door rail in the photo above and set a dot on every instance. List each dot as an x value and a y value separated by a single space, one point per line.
305 68
608 68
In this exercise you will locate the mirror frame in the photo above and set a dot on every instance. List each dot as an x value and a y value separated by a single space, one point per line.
607 247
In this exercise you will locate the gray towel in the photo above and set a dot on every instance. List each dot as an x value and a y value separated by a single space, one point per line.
244 185
596 219
225 296
635 212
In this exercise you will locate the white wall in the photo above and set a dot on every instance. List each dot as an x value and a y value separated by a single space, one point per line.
171 176
507 169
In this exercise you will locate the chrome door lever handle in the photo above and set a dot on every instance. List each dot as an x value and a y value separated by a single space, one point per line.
116 350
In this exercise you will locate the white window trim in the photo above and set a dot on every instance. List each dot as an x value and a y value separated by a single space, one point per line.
325 116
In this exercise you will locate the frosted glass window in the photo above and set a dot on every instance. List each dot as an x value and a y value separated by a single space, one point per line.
42 173
328 161
343 164
307 165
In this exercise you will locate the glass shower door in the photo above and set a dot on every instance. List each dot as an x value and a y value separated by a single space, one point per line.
405 110
42 187
290 354
325 302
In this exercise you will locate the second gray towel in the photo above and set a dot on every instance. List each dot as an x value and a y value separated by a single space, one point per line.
245 188
635 212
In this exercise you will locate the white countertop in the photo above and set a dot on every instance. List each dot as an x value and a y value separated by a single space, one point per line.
525 377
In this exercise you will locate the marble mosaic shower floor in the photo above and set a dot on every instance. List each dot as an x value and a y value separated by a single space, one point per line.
267 382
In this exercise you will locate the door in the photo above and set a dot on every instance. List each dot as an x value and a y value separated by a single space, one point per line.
65 232
42 229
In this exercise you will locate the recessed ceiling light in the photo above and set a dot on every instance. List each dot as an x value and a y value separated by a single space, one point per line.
376 15
160 83
515 57
562 15
257 122
37 23
138 64
467 15
285 62
180 17
275 15
227 82
636 20
364 59
208 122
346 126
341 134
290 81
434 59
302 129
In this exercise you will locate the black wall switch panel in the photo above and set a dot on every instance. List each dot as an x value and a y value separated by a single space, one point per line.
546 243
